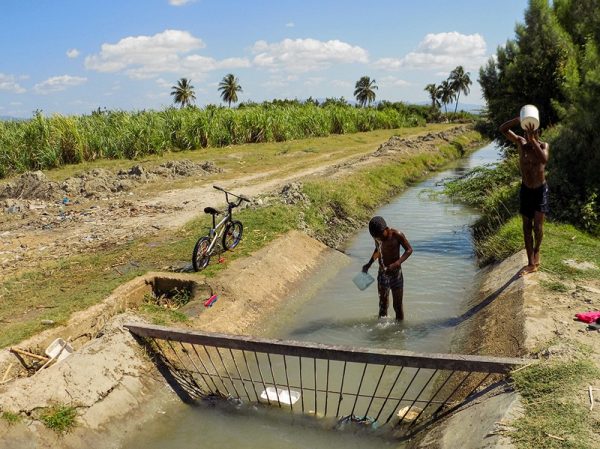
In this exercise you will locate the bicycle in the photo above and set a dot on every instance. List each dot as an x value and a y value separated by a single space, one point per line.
228 229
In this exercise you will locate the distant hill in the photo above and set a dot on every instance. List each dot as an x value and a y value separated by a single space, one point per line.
467 107
8 118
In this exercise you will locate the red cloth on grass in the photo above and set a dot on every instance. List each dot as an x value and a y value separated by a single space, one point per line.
588 317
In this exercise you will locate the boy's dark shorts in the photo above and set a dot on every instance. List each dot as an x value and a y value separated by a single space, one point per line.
533 200
393 280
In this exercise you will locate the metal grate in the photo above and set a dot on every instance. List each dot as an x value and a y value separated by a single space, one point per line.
373 387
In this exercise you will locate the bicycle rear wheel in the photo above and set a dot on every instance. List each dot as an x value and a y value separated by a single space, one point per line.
233 234
201 256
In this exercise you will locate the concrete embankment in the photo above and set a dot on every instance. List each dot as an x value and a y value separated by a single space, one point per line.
492 324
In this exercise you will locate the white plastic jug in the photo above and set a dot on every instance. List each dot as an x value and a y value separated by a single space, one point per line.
529 115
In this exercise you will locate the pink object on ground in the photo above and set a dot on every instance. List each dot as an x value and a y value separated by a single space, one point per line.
210 301
588 317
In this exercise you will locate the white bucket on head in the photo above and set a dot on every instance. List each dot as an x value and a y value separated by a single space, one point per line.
529 115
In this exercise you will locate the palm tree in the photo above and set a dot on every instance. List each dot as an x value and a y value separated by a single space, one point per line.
460 83
434 94
446 94
183 92
363 90
229 87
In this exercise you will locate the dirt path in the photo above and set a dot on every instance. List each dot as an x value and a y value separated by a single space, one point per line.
105 209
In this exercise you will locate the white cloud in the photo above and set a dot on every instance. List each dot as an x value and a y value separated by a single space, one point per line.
166 52
72 53
180 2
441 51
7 82
304 55
290 25
277 80
392 81
342 83
314 81
15 103
58 83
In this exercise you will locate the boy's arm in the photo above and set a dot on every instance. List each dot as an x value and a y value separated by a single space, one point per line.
405 255
539 149
505 129
374 257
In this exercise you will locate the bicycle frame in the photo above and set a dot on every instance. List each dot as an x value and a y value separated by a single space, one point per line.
213 234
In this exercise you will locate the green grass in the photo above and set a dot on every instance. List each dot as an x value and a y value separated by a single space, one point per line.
160 316
553 407
555 286
77 282
60 418
561 241
11 418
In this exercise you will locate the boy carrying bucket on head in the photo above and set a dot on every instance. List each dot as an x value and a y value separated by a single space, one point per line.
387 251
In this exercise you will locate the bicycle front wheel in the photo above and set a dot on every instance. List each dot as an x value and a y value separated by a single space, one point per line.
201 255
233 234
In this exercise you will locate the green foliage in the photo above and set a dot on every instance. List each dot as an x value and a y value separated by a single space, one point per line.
229 87
10 417
60 418
538 67
48 142
365 90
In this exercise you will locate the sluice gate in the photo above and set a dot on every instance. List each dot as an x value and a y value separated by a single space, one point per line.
377 387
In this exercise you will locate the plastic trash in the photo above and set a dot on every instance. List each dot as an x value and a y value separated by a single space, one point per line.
362 280
280 396
59 349
409 414
210 301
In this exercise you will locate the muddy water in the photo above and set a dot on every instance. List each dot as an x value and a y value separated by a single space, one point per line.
440 278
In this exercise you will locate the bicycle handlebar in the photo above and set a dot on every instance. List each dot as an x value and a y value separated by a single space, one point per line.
241 197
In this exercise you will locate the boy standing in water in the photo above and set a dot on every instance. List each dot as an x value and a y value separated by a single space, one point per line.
387 250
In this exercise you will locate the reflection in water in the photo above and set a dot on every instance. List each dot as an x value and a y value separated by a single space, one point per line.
439 280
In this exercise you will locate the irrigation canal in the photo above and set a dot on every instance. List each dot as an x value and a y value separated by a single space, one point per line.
440 278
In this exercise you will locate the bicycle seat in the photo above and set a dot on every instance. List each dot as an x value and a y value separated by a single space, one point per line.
211 211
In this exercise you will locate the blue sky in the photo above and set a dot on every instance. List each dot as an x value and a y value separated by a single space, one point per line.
73 56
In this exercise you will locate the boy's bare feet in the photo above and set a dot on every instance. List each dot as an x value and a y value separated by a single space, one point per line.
527 269
536 258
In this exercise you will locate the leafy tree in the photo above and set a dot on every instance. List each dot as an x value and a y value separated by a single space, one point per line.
183 93
434 93
538 67
446 94
229 87
364 90
460 82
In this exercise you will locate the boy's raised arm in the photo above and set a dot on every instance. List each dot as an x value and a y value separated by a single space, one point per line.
505 129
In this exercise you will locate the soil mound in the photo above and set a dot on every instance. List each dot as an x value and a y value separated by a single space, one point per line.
100 182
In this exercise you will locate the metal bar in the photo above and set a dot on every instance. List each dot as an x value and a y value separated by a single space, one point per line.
375 391
418 396
451 394
194 385
389 393
274 382
455 362
228 375
326 388
432 399
358 391
186 352
216 371
250 375
287 382
240 374
402 397
262 379
301 386
315 377
206 369
341 397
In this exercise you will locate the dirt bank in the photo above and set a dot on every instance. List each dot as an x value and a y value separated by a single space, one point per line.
110 377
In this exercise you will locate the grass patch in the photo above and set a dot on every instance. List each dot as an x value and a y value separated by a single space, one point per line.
555 286
549 395
561 242
11 418
60 418
160 316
